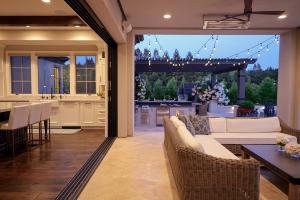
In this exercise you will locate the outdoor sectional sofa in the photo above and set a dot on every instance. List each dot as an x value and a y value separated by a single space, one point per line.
203 168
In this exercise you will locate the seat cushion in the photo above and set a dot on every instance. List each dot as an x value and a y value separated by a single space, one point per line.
188 139
214 148
250 138
200 124
217 124
260 125
176 122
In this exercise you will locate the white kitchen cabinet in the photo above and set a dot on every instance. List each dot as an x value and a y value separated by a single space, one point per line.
55 120
70 113
87 114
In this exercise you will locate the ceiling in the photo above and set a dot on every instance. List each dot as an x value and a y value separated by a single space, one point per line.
188 14
34 8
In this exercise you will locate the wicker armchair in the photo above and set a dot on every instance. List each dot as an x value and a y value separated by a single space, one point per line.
200 176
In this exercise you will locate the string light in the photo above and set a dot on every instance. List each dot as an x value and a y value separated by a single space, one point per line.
248 52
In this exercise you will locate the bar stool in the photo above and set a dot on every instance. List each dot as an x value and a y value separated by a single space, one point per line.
34 118
18 121
45 117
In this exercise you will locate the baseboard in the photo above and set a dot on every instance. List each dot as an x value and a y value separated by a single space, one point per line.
73 189
71 127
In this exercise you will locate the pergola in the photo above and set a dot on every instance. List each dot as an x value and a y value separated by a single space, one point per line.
214 66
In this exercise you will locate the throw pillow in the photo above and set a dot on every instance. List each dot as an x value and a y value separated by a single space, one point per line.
201 124
185 119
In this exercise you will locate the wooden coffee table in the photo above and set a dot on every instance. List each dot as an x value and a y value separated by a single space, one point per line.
278 163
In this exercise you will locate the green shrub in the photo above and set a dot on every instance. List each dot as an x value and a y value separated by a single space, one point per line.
247 104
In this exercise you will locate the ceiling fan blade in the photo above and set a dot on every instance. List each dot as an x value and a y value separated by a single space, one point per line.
248 6
267 12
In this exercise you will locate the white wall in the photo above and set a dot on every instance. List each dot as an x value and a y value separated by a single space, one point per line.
2 70
288 98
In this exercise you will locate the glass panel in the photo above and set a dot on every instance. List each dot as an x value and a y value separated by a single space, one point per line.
54 75
16 61
16 74
26 74
16 87
26 87
81 74
26 61
80 61
91 61
91 75
81 87
91 88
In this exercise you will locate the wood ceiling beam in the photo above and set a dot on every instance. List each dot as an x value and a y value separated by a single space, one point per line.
41 21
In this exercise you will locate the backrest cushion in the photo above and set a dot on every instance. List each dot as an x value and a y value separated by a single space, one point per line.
188 139
185 119
18 117
259 125
217 124
176 121
200 124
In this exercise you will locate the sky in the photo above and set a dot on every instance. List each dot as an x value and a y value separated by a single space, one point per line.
227 45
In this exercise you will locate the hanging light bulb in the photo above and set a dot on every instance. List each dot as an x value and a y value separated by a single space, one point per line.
258 55
218 63
156 42
244 61
198 55
212 55
267 48
205 48
251 58
167 59
214 48
260 46
187 62
233 64
217 41
248 52
236 56
182 64
239 63
193 59
211 64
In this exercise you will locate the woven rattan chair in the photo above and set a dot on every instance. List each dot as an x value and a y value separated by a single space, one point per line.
204 177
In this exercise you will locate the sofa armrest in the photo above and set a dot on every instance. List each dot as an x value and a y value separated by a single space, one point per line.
290 131
226 178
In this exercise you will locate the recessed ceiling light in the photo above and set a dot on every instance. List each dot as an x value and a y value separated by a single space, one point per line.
283 16
167 16
46 1
27 26
76 26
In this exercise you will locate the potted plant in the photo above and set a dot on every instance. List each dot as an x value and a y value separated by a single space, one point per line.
245 108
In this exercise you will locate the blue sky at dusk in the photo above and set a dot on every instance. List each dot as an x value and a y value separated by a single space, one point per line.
228 45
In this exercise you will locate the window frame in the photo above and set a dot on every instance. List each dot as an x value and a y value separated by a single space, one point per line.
97 82
34 70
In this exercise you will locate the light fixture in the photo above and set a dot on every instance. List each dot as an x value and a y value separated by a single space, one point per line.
46 1
27 26
167 16
77 26
283 16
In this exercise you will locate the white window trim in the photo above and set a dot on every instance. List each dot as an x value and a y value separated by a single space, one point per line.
34 70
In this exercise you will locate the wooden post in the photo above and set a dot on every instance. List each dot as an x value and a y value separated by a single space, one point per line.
241 82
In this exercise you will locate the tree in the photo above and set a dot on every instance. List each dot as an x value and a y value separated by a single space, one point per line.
156 55
138 54
252 93
149 89
267 91
166 55
146 53
232 93
171 89
158 90
189 56
176 55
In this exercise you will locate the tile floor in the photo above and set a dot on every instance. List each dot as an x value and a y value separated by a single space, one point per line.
136 168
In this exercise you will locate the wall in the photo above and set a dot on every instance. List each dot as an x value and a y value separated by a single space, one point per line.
288 98
2 70
126 87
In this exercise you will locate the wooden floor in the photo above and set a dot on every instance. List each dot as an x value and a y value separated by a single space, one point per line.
43 172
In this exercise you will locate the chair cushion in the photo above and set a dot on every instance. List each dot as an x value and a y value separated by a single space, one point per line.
250 138
188 139
214 148
217 124
176 121
185 119
201 124
261 125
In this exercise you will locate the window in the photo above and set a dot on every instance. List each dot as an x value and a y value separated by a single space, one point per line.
54 75
85 74
20 74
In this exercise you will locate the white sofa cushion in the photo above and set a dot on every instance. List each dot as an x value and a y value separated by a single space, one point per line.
188 139
250 138
217 124
214 148
176 122
261 125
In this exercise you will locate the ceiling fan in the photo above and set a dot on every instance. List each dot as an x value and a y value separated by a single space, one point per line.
248 12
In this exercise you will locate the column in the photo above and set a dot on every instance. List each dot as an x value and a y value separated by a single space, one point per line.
241 82
2 81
